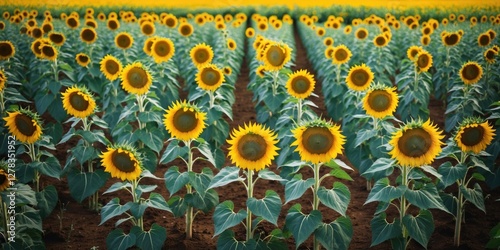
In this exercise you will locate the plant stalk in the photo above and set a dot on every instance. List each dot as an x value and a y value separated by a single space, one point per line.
316 186
189 190
249 213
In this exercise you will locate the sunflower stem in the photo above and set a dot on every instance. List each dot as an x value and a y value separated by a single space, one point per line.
402 206
54 68
459 216
275 82
317 183
212 98
3 209
189 212
338 73
2 104
299 111
249 213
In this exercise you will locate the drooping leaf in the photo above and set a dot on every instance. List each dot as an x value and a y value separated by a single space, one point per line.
335 235
224 217
268 208
337 198
296 187
383 191
420 228
302 225
84 184
47 200
113 208
175 180
383 230
150 240
225 176
119 240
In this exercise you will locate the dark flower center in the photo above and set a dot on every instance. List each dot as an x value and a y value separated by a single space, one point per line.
317 140
185 120
25 124
472 136
415 142
252 147
123 162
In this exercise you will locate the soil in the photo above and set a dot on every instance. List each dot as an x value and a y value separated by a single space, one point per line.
72 226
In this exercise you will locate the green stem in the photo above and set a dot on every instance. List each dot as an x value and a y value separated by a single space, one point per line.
299 111
459 217
3 209
249 213
2 104
338 73
275 82
32 154
136 199
189 212
54 68
212 98
316 186
402 207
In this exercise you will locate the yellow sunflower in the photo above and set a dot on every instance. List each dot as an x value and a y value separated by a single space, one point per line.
82 59
261 70
361 33
184 121
7 50
263 26
231 44
57 38
249 32
111 67
170 20
113 24
209 77
341 54
320 31
148 43
72 22
347 29
450 39
47 27
201 55
489 55
186 29
148 28
122 162
3 80
412 52
162 49
36 32
252 147
88 35
359 77
471 72
49 52
380 41
328 41
425 40
36 46
474 134
227 70
136 79
483 39
423 61
300 84
78 102
124 40
24 125
318 141
380 101
276 55
329 52
416 144
91 23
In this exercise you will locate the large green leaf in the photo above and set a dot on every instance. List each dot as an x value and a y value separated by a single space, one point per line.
204 201
227 241
47 200
268 208
450 174
225 176
335 235
364 135
225 217
113 208
267 174
383 230
150 138
84 184
420 228
83 153
178 206
475 196
383 191
173 151
150 240
24 195
337 198
204 149
296 187
381 165
175 180
425 197
118 240
302 225
157 201
50 167
29 218
118 186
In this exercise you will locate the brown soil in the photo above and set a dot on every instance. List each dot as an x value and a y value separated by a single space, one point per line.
73 226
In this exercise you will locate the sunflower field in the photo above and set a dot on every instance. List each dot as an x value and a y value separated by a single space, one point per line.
251 127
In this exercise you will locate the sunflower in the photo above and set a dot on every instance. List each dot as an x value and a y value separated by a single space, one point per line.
413 51
49 52
24 125
57 38
122 161
276 55
136 79
227 70
341 54
36 32
359 77
91 23
361 33
184 121
347 29
170 20
450 39
47 27
300 84
36 46
318 141
261 70
111 67
474 134
201 55
328 41
380 41
252 147
249 32
416 144
423 61
231 44
483 39
148 43
329 52
7 50
489 55
124 40
88 35
471 72
148 28
82 59
186 29
492 33
209 77
425 40
263 26
113 24
380 101
3 80
162 49
78 102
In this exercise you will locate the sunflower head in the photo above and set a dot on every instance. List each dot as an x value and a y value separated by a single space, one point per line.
250 32
318 141
328 41
184 121
72 22
341 54
412 52
113 24
300 84
49 52
111 67
484 39
209 77
170 20
186 29
227 70
124 40
57 38
231 44
359 77
415 144
82 59
252 147
162 49
471 72
276 55
489 55
261 71
7 50
380 41
423 61
148 28
380 101
78 102
36 46
88 35
148 43
450 39
122 161
329 52
474 134
425 40
136 79
3 80
201 55
361 33
24 125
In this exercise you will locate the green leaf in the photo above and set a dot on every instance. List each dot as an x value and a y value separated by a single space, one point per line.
227 241
118 186
381 165
83 184
383 191
24 195
267 174
175 180
149 116
225 176
84 153
296 187
337 198
364 135
150 138
47 200
336 235
340 174
157 201
475 196
302 225
178 206
224 217
50 167
150 240
119 240
204 149
383 230
43 99
137 209
450 174
173 151
421 227
29 218
268 208
113 208
450 202
425 197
